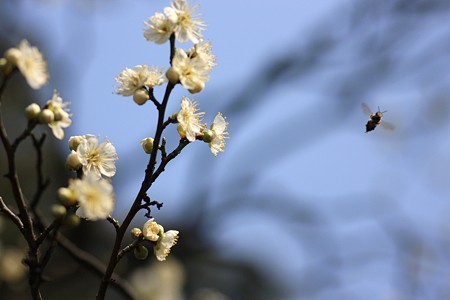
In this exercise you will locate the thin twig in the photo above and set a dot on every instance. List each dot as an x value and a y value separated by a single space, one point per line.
10 214
114 222
153 98
41 183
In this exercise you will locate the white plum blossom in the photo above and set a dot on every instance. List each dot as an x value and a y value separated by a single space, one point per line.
218 127
133 79
166 241
61 113
202 50
159 28
190 120
97 159
150 230
30 62
193 72
188 26
95 197
154 232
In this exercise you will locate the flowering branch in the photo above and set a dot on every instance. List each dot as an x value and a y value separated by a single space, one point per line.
89 195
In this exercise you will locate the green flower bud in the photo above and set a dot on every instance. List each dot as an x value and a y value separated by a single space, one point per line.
172 75
147 145
46 116
141 252
74 141
136 233
73 162
141 96
58 211
72 221
32 111
12 55
67 196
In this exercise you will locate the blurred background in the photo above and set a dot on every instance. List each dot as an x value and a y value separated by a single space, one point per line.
303 204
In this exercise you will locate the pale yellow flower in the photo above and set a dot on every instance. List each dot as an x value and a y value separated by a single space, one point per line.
218 128
61 112
165 242
189 118
30 62
95 197
159 28
133 79
193 72
188 26
95 158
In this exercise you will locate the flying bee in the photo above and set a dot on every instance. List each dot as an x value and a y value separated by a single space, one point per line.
375 119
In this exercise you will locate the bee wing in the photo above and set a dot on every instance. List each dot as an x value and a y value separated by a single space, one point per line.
387 125
365 108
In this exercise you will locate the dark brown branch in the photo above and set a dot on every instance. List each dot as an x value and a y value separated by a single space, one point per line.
10 214
41 183
114 222
146 184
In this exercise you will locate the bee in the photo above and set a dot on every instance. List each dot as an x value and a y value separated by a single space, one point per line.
375 119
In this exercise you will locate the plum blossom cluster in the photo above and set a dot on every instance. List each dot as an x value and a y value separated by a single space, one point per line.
162 240
92 194
89 193
32 65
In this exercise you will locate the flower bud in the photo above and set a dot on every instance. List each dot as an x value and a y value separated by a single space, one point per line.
140 252
32 111
58 211
58 115
147 144
46 116
208 135
172 75
136 233
174 116
181 131
13 55
67 196
73 161
74 141
71 221
141 96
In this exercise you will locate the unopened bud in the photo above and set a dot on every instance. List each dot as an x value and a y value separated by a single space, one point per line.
13 55
58 211
141 252
172 75
174 116
72 221
147 145
74 141
73 161
32 111
67 196
136 233
46 116
141 96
